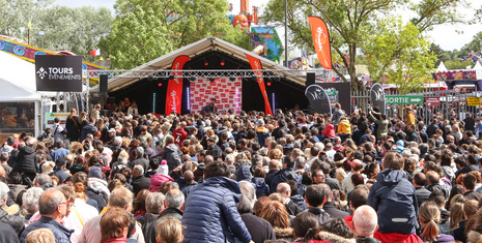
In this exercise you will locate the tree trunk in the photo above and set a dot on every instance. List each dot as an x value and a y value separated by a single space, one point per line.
356 85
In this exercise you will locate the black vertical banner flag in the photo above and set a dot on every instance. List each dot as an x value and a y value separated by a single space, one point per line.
377 97
319 100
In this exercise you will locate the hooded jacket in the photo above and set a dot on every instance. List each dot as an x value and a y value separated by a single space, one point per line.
157 180
322 216
262 189
27 161
16 222
100 185
172 155
394 198
283 176
87 129
7 234
329 131
210 214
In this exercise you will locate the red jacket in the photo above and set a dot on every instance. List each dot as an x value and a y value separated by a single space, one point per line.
397 238
329 131
179 135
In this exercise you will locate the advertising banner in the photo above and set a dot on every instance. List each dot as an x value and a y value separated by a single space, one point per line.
321 41
174 89
377 96
319 99
228 94
258 70
58 73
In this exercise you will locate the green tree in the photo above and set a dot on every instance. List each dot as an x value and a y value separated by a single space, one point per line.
145 30
349 22
442 55
458 64
398 53
78 30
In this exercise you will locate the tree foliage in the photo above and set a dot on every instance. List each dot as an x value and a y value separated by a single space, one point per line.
145 30
77 30
398 53
350 21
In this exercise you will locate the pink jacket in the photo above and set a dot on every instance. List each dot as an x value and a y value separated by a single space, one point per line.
157 180
329 131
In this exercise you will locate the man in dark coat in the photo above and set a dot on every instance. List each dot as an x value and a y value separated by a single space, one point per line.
329 206
285 190
172 207
468 182
287 173
211 215
7 234
89 128
27 161
469 122
15 222
471 165
190 183
419 181
393 196
140 160
73 126
139 181
432 128
273 167
259 229
315 198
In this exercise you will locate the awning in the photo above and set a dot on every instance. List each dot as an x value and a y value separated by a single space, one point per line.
197 48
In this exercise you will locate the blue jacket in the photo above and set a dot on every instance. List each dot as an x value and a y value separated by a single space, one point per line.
283 176
62 234
210 213
300 201
88 129
262 189
394 198
59 153
261 134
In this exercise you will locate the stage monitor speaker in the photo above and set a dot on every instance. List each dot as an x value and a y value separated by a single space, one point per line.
103 80
110 100
310 79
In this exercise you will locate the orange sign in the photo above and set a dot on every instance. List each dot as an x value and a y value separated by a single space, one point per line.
258 70
321 41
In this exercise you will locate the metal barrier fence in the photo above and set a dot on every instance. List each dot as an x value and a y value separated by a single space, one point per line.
444 104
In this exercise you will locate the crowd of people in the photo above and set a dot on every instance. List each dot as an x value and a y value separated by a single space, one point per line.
248 177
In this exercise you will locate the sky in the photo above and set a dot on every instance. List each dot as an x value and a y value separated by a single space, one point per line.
444 35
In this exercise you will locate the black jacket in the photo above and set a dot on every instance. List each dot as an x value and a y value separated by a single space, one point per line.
142 161
74 127
431 129
330 208
269 176
363 239
292 208
321 214
469 124
422 194
88 129
7 234
27 161
150 228
458 233
466 169
444 190
259 228
97 196
473 195
412 136
140 183
15 222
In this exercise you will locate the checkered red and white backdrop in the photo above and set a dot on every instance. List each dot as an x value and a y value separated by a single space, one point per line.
226 92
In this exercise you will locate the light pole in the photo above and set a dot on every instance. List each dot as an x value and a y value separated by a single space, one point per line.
286 33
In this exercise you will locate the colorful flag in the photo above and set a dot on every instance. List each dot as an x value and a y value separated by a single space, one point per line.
321 41
258 70
95 52
174 89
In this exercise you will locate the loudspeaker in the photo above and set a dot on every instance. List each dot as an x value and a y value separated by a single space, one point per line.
103 80
310 79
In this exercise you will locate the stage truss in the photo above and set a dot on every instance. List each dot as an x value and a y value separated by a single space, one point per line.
276 75
164 74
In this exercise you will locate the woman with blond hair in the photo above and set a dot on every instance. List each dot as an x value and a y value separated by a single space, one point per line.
429 217
409 116
169 230
42 235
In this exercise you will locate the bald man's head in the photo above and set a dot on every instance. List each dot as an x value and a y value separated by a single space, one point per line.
183 124
208 159
49 203
284 189
189 177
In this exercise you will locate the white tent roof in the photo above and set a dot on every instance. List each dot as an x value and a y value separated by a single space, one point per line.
201 46
12 93
441 67
20 73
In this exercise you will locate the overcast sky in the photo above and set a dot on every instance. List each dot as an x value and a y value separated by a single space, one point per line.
445 35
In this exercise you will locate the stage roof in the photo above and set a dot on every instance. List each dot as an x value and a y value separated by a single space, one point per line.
197 48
